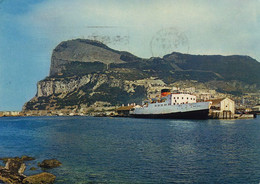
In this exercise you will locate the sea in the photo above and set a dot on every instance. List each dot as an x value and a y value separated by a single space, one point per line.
127 150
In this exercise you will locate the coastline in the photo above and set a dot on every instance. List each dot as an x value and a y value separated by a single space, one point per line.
106 114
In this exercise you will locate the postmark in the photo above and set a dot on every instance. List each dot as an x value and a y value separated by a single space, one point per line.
106 39
109 35
169 40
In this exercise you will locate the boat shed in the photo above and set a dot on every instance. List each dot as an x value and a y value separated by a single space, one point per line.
222 108
223 104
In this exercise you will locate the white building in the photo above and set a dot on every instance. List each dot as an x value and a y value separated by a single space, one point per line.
177 99
9 113
221 105
256 108
204 96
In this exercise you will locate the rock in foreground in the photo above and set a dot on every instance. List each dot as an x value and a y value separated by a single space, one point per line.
7 176
12 173
13 170
41 178
49 164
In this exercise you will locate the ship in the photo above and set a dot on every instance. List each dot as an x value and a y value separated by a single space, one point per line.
174 105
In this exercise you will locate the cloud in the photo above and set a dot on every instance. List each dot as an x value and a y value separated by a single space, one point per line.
212 27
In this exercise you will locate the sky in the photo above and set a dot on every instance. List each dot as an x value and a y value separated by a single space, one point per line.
31 29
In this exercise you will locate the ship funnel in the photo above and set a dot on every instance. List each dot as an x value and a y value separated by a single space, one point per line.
165 92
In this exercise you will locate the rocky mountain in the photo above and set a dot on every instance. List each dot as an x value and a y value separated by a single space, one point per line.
86 51
84 72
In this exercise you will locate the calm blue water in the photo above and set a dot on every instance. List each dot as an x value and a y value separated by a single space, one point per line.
124 150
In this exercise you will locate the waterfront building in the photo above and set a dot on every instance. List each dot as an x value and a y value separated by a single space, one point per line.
222 108
224 104
124 110
256 109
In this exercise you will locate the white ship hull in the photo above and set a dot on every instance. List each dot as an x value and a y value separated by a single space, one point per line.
198 110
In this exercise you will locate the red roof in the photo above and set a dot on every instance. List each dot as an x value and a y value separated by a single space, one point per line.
125 108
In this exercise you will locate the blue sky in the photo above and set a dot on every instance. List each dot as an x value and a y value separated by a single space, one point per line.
30 30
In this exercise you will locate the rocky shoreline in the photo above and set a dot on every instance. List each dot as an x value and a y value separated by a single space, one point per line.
12 172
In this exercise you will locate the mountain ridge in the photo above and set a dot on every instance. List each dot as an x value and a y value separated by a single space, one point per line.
83 72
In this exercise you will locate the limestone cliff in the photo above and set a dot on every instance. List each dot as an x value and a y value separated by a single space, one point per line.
53 93
83 72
